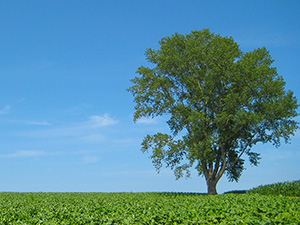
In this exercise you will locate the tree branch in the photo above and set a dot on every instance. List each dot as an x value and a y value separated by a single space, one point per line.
243 151
217 164
223 167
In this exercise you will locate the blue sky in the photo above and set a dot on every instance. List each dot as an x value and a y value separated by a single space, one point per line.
65 115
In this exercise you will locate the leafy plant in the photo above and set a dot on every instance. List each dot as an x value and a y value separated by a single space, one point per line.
285 189
146 208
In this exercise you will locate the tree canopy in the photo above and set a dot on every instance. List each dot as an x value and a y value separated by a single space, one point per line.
221 102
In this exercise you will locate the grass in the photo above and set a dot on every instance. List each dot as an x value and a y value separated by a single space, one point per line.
262 205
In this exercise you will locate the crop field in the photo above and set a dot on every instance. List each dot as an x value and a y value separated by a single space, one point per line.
147 208
286 189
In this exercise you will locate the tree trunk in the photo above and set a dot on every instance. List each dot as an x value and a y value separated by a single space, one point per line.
211 186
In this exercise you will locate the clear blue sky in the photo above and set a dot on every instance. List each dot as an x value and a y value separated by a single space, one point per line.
65 115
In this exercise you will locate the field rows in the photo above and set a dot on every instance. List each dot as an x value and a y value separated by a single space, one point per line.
146 208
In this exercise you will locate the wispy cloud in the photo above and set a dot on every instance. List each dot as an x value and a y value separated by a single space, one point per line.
147 121
100 121
130 173
93 138
24 153
35 123
4 110
91 159
86 130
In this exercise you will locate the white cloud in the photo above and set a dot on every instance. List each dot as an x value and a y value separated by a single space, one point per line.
101 121
24 153
4 110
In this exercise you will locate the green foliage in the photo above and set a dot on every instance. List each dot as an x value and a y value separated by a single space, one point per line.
220 100
146 208
286 189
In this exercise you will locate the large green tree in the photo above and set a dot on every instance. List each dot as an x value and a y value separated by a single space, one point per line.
220 101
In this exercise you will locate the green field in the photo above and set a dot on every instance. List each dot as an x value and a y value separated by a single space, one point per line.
147 208
291 189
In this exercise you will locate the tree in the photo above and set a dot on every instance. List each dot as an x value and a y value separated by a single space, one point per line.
220 101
